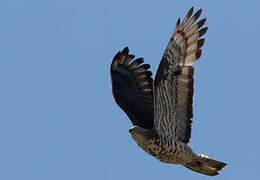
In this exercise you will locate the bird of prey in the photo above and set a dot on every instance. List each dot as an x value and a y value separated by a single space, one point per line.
161 109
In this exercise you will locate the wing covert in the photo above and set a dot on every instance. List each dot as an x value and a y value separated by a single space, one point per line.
132 88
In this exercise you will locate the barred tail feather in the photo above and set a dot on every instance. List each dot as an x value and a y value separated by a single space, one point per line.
204 165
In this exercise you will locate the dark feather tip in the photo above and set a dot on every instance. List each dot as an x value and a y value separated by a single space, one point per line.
146 66
197 14
190 11
125 50
201 42
201 22
203 31
139 60
131 56
178 22
117 56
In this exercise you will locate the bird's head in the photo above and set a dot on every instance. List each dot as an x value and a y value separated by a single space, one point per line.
140 135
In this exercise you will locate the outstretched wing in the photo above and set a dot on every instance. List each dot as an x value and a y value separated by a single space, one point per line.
173 86
132 88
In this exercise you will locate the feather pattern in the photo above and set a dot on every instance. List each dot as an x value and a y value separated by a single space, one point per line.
173 85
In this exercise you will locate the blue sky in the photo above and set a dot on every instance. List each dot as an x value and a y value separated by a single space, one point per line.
58 119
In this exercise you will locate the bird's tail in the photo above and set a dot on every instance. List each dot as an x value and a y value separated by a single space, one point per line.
202 164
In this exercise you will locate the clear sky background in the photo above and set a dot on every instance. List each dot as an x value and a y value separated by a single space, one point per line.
58 119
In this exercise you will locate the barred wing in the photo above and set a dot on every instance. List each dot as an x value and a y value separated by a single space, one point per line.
132 88
173 86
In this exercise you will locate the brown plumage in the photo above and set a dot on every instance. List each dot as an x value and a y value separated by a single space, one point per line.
161 110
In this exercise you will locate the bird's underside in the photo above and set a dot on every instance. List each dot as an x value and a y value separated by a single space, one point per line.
161 109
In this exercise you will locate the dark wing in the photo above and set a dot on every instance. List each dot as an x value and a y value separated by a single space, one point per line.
132 88
173 86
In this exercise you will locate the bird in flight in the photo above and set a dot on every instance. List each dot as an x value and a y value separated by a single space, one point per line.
161 109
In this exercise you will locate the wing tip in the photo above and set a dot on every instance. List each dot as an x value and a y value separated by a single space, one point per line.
125 50
201 22
197 14
203 31
190 12
115 60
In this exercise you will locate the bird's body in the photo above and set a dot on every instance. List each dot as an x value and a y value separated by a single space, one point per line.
161 109
165 149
